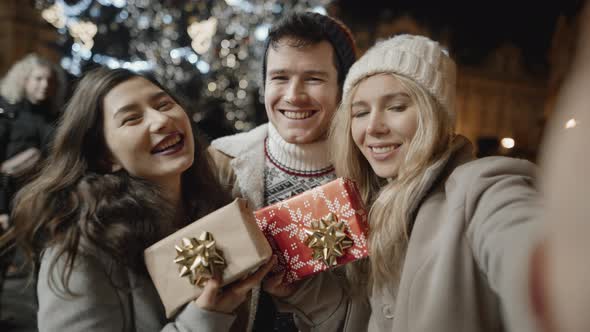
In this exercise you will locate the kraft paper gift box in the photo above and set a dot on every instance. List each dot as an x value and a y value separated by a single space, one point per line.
239 248
302 230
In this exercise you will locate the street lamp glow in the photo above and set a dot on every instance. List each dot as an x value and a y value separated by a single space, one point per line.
508 142
571 123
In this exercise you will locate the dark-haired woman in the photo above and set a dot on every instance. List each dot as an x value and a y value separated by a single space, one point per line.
124 172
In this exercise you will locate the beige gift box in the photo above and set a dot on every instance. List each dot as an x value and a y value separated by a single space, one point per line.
234 229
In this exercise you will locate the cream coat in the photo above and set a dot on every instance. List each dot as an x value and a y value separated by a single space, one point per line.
466 263
107 297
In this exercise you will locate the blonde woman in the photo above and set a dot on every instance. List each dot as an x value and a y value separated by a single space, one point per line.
449 235
31 94
25 79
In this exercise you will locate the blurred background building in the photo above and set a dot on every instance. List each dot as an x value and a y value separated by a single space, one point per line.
512 56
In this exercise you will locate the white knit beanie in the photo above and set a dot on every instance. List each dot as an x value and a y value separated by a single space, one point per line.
416 57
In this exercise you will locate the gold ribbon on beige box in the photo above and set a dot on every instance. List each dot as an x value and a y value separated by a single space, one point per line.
198 258
327 239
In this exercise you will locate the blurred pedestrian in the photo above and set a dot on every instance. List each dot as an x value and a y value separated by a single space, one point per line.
31 95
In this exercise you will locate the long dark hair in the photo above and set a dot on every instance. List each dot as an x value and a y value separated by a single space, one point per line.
77 206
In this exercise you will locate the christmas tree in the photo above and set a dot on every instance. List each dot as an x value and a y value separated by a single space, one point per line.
208 51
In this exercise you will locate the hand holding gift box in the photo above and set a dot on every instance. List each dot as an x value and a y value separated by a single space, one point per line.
226 244
316 230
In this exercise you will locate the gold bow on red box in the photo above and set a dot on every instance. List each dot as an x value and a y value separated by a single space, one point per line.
327 239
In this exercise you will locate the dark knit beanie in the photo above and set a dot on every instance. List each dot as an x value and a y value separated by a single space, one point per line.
314 28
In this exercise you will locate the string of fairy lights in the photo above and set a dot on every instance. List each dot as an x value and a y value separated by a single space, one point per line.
202 49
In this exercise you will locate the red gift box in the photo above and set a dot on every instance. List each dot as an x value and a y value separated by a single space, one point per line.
288 224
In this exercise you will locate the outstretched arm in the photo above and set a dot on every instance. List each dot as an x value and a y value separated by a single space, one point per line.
503 212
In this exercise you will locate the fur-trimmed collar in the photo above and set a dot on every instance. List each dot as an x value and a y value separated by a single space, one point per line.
238 144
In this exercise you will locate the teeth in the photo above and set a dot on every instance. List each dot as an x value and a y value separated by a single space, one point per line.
171 142
382 149
298 115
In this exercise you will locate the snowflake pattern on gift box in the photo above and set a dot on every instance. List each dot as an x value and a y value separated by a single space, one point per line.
299 218
359 242
316 266
274 229
293 264
262 224
358 253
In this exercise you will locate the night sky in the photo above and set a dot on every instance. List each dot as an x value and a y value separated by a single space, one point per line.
477 27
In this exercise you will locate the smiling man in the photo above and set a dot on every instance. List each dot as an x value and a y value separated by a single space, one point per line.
307 57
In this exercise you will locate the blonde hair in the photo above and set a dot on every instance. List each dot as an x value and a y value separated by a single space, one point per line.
392 203
12 85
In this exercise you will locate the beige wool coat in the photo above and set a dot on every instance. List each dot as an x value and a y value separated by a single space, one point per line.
466 263
239 163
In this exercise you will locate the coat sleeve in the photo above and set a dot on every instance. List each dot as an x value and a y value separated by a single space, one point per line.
502 211
96 305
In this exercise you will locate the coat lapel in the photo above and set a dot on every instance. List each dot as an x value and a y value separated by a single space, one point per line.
247 150
249 169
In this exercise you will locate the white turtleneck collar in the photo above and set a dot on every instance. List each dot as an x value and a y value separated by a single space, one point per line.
300 158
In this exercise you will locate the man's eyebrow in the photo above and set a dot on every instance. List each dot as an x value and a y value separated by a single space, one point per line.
277 72
316 72
307 72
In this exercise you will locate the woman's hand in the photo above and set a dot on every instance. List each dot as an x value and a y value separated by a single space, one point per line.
214 298
21 162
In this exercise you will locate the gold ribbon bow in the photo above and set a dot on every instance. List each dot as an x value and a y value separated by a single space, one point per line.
199 260
328 239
